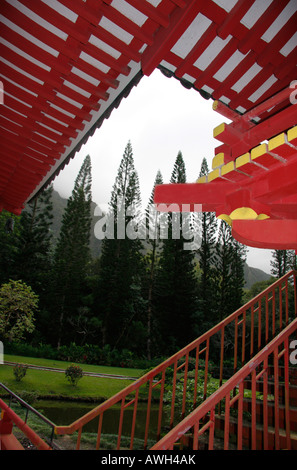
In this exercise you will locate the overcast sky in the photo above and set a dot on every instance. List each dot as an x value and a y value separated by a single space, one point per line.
160 118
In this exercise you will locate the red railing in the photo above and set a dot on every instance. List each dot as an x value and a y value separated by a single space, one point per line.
10 418
174 386
231 396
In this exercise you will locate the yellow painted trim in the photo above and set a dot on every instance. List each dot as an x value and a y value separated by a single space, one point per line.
202 179
213 175
218 160
292 134
243 213
215 105
258 151
263 217
230 166
226 218
277 141
219 129
242 160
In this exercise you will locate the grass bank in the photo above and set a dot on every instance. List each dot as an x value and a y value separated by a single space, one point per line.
50 384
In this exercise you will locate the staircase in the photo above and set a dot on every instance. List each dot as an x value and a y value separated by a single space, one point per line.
254 406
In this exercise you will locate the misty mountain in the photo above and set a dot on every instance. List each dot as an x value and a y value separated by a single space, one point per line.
59 205
252 275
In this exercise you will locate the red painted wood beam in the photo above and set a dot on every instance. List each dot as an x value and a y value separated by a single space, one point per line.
275 100
266 129
233 18
151 12
206 38
53 17
210 196
262 24
269 233
116 43
165 38
272 192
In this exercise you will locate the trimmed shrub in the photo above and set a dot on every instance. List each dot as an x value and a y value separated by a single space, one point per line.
19 371
73 374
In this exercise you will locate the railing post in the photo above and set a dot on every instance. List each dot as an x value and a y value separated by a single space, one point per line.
227 422
287 394
295 293
254 413
265 405
276 399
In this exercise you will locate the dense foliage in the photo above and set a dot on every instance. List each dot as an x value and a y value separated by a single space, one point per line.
144 296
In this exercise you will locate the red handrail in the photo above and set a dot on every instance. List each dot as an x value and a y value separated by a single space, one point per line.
36 440
226 391
248 325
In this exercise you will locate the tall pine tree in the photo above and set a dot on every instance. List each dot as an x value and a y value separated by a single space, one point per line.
119 298
224 254
207 264
280 262
34 241
72 253
153 245
230 260
176 282
9 247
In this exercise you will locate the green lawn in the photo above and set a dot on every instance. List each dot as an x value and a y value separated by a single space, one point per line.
49 384
128 372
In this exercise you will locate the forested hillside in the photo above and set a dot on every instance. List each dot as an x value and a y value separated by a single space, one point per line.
142 284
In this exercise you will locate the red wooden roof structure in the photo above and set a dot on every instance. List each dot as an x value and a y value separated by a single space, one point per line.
66 64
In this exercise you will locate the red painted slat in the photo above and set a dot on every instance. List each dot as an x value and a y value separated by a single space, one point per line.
116 43
235 75
28 66
261 25
96 73
271 52
235 15
59 21
106 59
166 38
207 37
217 63
152 12
98 91
126 24
253 85
33 50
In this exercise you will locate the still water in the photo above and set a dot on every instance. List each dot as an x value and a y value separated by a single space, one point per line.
65 412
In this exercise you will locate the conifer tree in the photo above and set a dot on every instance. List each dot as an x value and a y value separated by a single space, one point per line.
207 264
224 255
153 244
239 253
279 263
176 282
119 297
230 259
33 262
9 233
72 252
292 259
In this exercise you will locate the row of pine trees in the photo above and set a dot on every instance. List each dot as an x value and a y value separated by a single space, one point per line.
150 296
